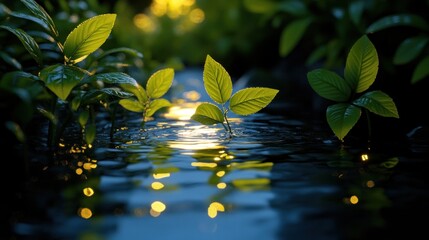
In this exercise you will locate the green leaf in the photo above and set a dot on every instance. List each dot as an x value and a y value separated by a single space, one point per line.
125 81
88 37
155 105
208 114
342 117
128 51
260 6
29 43
159 83
379 103
410 20
250 100
361 65
40 13
90 132
292 34
390 163
409 49
132 105
421 71
95 95
10 60
329 85
61 79
83 118
217 81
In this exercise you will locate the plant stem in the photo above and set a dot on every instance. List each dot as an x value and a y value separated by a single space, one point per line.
225 112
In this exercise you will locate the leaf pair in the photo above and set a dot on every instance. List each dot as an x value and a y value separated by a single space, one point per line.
218 85
149 101
359 74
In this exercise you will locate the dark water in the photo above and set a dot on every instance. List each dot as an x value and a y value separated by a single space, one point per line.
276 178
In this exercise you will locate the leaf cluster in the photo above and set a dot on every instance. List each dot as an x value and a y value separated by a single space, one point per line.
349 91
218 85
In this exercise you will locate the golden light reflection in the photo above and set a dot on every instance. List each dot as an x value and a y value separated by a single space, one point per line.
354 199
364 157
251 184
85 213
220 173
192 95
204 164
157 208
194 145
79 171
88 191
214 208
160 175
181 112
157 186
370 184
221 185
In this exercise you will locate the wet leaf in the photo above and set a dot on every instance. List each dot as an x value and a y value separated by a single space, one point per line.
132 105
159 83
329 85
155 105
88 37
61 79
29 43
217 81
208 114
251 100
361 65
341 118
41 14
379 103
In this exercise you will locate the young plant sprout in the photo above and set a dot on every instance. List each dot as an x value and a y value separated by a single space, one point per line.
218 85
359 74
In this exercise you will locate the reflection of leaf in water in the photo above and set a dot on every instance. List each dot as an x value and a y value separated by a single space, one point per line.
213 154
251 184
390 163
252 165
160 153
163 170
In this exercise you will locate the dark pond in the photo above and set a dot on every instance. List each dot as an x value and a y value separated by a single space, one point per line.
277 178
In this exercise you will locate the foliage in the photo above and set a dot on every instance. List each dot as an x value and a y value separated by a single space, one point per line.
67 80
359 74
218 85
150 100
413 47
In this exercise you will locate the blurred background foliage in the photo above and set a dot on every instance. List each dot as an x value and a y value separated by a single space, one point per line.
272 41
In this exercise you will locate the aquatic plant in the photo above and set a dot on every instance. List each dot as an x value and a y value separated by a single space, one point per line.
218 85
360 73
148 101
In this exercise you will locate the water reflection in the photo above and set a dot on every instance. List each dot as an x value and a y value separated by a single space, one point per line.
275 180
